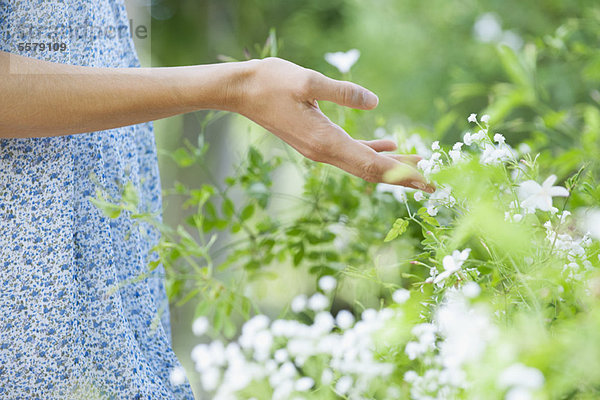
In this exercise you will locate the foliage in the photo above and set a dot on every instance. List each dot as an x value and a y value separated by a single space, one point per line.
495 285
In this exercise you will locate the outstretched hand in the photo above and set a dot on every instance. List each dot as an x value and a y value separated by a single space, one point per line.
282 97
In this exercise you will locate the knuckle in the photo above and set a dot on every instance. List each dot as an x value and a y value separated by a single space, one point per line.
306 85
370 171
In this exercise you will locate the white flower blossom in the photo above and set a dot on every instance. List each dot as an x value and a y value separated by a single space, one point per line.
524 148
435 145
299 303
471 138
494 154
200 326
343 61
441 197
485 119
401 296
177 376
499 138
452 263
303 384
318 302
344 319
399 192
343 384
327 283
472 118
535 196
519 375
471 289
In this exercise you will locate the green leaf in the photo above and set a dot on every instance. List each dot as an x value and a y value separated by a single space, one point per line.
398 229
299 254
247 212
203 308
182 157
227 207
109 209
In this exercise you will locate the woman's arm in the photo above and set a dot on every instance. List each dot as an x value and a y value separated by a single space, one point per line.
41 98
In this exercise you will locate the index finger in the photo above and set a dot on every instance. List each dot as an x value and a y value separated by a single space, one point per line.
364 162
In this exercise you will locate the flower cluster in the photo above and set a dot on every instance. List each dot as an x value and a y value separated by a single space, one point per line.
279 354
452 334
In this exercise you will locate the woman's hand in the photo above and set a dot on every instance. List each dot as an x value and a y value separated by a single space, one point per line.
282 97
49 99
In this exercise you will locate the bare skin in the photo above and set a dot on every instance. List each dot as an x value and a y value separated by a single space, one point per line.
48 99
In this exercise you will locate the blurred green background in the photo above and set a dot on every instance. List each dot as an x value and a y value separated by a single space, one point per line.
431 62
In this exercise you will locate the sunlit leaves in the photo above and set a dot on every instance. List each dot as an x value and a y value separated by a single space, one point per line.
398 229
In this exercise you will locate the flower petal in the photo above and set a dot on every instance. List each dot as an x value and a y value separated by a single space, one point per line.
549 181
559 191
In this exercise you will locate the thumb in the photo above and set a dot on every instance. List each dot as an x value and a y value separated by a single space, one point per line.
343 93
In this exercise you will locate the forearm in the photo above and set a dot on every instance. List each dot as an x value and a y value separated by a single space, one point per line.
40 98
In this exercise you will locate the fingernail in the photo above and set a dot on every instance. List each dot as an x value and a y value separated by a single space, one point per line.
371 99
423 186
419 185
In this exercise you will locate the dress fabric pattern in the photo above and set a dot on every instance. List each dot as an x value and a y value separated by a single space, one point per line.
66 330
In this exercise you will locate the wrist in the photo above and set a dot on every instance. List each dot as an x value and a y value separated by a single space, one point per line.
239 85
220 86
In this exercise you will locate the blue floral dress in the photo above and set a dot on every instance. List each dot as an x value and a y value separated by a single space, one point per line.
66 330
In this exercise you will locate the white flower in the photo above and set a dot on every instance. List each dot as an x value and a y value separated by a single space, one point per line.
299 303
468 139
471 290
327 283
442 196
343 61
281 356
200 326
492 154
400 296
410 376
318 302
485 119
326 376
487 28
588 220
519 375
419 196
304 383
471 138
535 196
524 148
466 331
210 379
344 319
177 376
379 132
399 192
343 384
435 145
323 322
455 154
518 393
430 166
499 138
452 263
472 118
